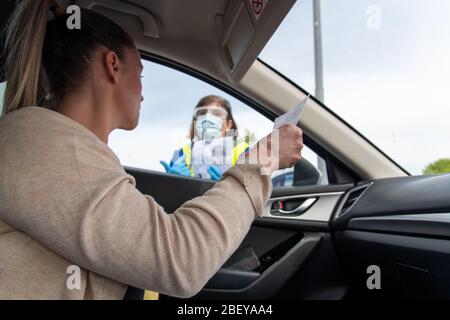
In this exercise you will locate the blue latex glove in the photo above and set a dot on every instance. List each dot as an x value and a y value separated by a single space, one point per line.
215 173
179 167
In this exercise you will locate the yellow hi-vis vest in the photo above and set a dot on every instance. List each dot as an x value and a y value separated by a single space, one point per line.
239 149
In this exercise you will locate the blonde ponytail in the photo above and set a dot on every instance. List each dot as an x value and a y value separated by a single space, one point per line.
25 37
45 59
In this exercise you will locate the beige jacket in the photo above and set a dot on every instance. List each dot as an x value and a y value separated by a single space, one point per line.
66 200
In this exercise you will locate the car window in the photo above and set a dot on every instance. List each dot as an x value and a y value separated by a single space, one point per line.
386 70
170 97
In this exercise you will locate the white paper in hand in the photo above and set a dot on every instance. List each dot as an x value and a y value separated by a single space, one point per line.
292 116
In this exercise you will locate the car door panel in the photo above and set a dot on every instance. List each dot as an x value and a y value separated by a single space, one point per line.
284 246
169 191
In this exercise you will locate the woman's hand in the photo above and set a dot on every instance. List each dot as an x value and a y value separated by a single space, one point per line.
278 150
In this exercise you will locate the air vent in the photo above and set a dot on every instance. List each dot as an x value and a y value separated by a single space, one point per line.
351 198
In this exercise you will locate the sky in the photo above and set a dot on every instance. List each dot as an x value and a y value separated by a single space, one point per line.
386 70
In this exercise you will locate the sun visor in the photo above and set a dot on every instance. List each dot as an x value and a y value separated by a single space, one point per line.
248 26
146 18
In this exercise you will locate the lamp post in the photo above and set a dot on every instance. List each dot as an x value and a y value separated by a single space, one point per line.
318 70
318 63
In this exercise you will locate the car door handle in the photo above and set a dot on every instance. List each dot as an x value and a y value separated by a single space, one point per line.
303 207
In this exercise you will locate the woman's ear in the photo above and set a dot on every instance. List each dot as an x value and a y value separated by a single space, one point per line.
112 66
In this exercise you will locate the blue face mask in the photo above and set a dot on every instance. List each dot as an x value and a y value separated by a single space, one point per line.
208 126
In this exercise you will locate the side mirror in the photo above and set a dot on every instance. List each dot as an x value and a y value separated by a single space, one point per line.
305 174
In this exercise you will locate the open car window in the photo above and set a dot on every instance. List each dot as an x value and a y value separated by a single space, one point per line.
170 97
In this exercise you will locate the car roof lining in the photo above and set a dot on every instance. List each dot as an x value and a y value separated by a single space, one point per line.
200 34
196 33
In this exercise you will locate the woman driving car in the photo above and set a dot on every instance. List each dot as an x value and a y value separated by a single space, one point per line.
66 202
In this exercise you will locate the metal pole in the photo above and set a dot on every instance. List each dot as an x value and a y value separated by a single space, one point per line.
318 68
318 64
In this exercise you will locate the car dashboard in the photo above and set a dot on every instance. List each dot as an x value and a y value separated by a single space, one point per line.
401 226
